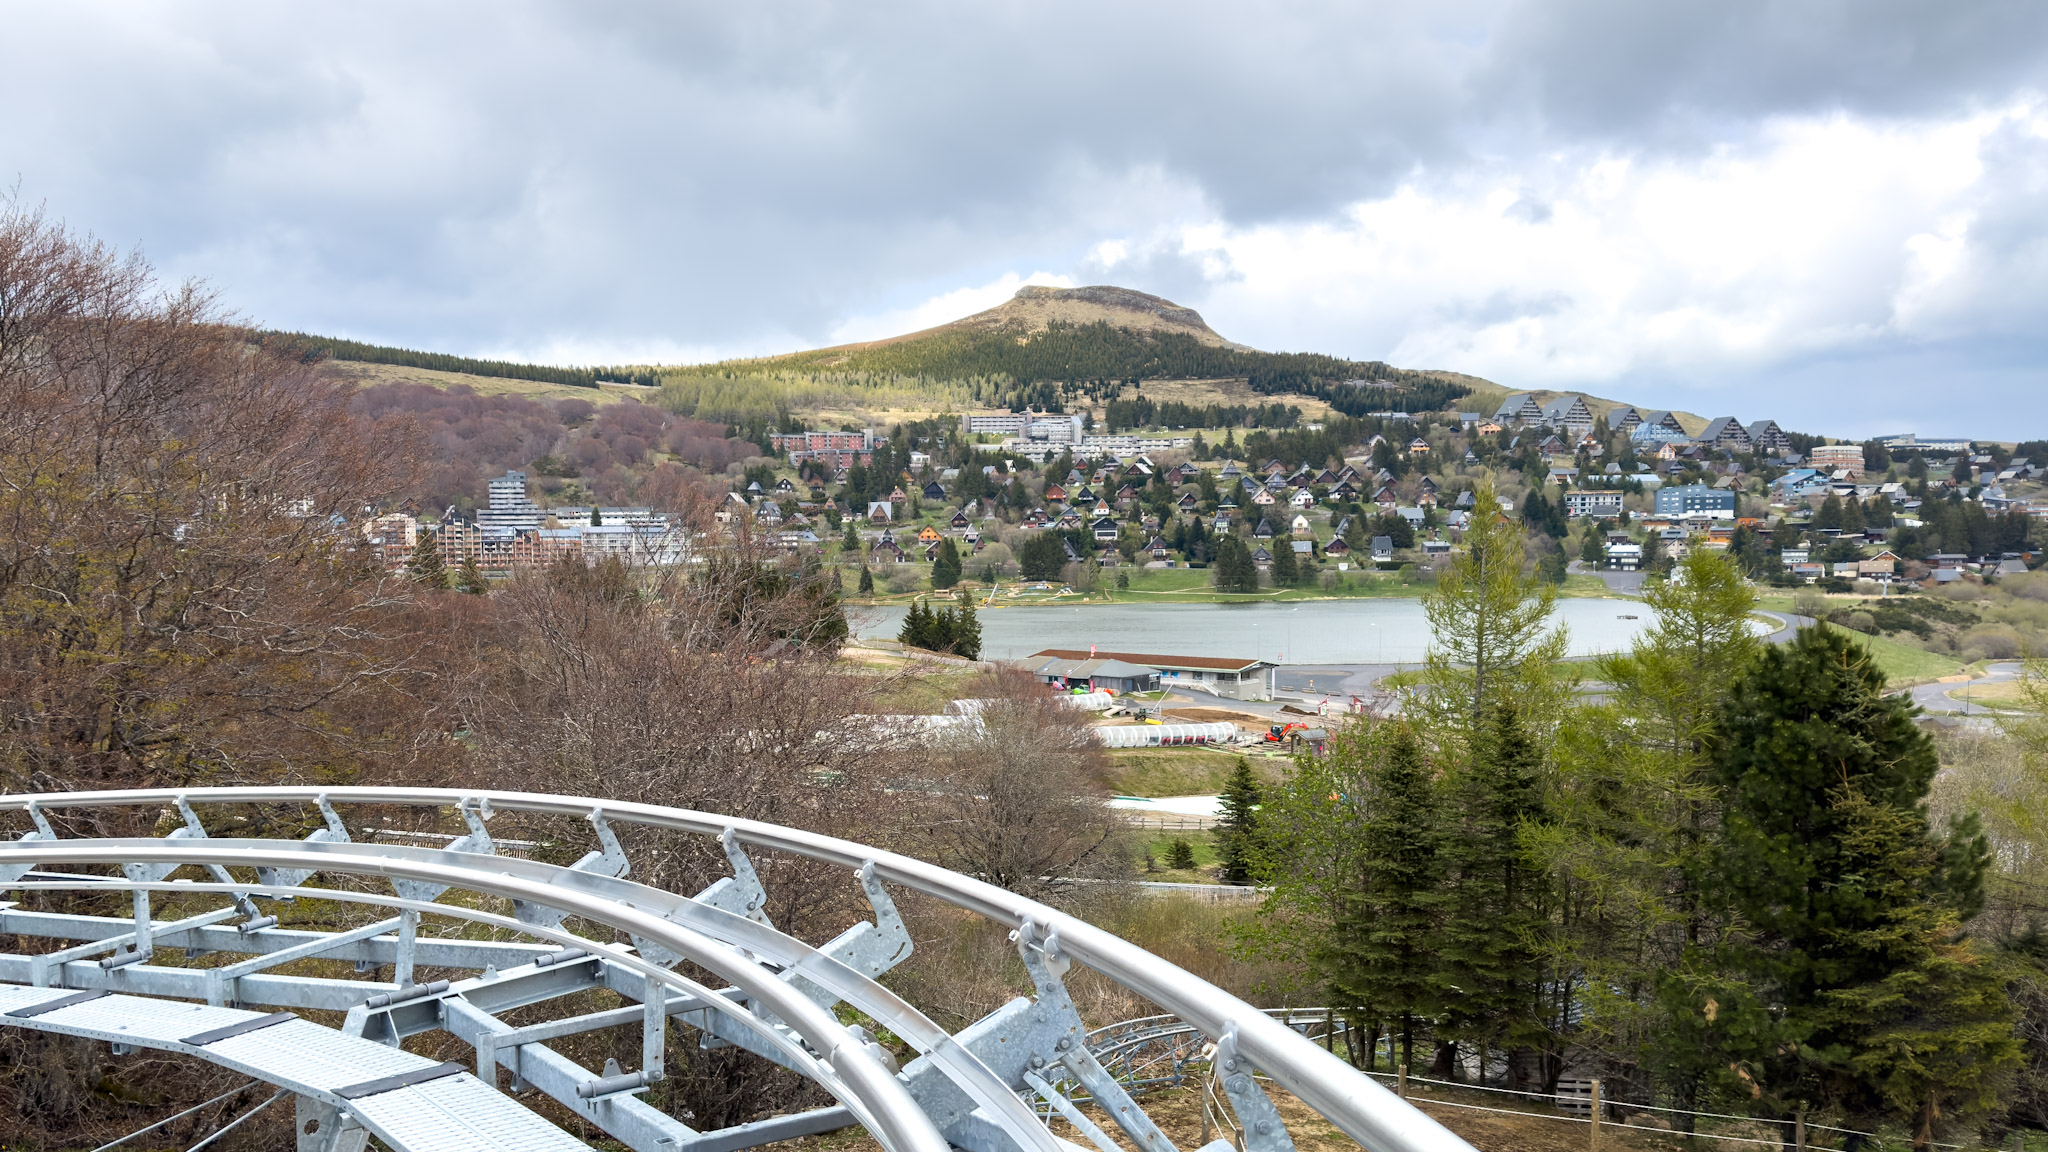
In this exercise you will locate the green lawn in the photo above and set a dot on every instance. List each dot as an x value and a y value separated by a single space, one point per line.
1178 771
1903 664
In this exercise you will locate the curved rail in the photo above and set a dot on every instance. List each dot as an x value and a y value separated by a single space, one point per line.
1244 1034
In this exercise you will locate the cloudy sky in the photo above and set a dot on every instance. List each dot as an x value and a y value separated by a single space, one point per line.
1825 211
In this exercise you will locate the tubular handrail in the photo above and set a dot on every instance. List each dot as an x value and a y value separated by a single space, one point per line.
847 1070
794 956
1362 1109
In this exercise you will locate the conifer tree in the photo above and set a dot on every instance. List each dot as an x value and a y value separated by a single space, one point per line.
470 578
946 566
866 587
1237 824
1235 571
964 638
1491 643
1286 569
1847 984
918 626
1384 948
1496 915
425 562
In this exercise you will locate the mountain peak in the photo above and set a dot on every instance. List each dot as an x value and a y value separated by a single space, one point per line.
1036 306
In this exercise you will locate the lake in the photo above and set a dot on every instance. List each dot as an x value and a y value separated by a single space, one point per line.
1310 632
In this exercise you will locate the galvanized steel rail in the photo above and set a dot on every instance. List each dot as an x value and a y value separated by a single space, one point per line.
980 1089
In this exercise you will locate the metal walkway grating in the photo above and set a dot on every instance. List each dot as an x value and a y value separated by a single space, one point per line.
457 1113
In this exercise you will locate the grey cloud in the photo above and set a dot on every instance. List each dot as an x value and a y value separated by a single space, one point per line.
515 176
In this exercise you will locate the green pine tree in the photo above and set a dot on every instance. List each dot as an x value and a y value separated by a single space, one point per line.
1286 568
1237 824
1180 855
1845 982
1384 955
946 566
1234 569
470 578
1496 915
966 637
919 626
866 587
425 562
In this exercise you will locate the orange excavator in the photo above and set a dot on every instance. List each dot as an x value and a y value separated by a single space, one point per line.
1277 734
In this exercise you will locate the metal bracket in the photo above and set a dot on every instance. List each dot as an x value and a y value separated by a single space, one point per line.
740 894
869 949
335 833
1263 1129
1025 1039
42 831
474 813
608 859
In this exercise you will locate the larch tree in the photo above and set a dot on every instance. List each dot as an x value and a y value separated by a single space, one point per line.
1492 641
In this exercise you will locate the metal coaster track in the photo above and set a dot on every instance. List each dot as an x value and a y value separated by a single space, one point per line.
986 1088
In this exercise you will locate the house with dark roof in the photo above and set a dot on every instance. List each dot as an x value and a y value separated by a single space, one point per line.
1569 413
1727 434
1519 409
1095 673
1236 679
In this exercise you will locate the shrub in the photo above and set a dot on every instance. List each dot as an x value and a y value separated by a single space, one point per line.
1180 855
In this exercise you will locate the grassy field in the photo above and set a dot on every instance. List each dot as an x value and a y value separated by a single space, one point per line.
1903 664
1177 771
365 375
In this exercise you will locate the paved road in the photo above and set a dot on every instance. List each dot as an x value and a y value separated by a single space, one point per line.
1624 583
1936 698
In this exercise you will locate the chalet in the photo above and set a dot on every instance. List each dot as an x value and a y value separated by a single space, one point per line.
1187 502
1727 434
959 520
1125 495
1084 496
1299 526
1569 413
768 513
1336 547
934 491
1765 436
1229 469
1055 492
1386 499
1303 498
1657 419
1418 447
1623 419
1489 428
1263 530
1157 547
1104 530
784 485
880 511
1262 497
1382 549
1326 478
1519 409
896 496
1261 557
1187 470
928 535
1303 549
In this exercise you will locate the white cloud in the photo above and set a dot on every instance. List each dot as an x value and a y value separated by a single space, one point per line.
1817 236
937 310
